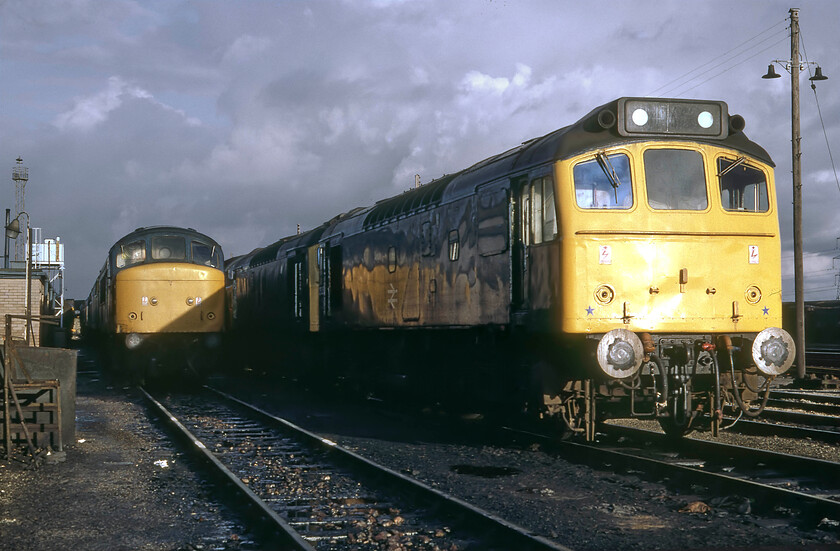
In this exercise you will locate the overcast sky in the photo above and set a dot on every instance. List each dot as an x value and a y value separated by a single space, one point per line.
245 118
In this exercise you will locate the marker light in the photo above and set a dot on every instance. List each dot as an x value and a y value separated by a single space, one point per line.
640 117
705 119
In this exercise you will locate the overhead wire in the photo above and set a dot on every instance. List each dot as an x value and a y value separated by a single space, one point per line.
836 286
824 251
668 85
716 75
819 112
677 86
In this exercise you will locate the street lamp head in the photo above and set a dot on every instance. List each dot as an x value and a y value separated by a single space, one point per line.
771 72
13 229
818 75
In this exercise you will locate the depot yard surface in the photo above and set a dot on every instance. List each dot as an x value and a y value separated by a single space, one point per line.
120 486
123 486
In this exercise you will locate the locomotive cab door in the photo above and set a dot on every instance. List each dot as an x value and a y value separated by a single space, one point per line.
296 266
330 279
314 271
534 227
520 208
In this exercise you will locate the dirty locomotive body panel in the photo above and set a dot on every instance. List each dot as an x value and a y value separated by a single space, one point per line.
158 303
630 261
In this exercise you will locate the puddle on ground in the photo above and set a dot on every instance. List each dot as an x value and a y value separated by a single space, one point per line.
484 471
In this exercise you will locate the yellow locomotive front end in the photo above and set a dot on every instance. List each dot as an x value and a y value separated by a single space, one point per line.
169 298
167 302
670 263
670 267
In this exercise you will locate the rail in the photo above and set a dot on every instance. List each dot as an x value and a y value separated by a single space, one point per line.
331 464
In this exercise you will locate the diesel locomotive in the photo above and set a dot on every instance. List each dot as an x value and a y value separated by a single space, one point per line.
158 305
627 265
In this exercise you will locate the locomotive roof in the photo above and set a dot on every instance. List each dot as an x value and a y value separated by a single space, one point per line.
586 134
592 132
165 230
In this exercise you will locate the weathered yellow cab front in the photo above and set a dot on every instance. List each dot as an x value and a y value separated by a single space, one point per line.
668 237
169 298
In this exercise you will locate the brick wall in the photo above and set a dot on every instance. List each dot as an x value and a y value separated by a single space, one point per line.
12 301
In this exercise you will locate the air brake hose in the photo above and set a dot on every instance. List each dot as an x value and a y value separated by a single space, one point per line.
737 393
661 368
718 413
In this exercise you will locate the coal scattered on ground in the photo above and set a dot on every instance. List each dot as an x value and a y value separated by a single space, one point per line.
120 485
575 505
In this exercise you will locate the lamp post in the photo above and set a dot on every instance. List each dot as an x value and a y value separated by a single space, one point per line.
12 232
6 249
795 65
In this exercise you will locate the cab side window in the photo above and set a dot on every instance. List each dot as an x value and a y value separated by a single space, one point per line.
743 188
604 183
539 211
206 255
131 254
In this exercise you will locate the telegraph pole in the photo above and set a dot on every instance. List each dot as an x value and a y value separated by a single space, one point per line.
798 268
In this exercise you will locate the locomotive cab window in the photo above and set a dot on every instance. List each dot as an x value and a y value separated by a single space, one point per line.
168 247
131 253
205 255
743 188
604 183
676 179
543 217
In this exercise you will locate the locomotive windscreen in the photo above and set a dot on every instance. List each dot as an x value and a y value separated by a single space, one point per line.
672 117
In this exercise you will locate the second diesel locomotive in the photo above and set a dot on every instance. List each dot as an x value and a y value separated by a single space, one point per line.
625 265
158 305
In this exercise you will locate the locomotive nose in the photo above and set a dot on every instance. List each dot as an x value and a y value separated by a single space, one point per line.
620 353
773 351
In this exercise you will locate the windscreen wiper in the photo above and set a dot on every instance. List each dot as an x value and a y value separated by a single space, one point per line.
739 161
607 167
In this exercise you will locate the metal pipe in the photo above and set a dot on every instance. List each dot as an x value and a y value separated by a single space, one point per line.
6 249
28 298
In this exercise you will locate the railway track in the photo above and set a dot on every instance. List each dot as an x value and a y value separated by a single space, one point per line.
309 493
825 358
819 402
760 481
783 429
794 414
815 409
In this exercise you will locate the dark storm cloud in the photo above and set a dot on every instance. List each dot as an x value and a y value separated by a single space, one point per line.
245 119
